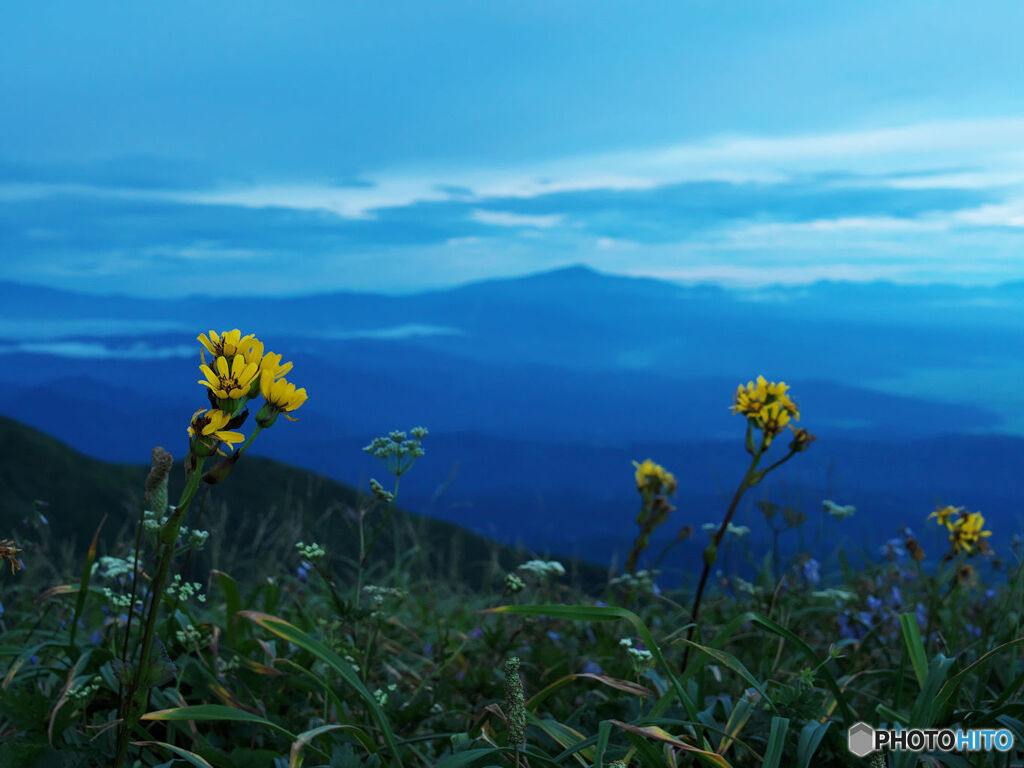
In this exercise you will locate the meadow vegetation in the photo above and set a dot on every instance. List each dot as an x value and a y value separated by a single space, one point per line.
269 643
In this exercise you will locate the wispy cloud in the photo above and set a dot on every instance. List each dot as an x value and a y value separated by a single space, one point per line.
873 204
96 350
507 219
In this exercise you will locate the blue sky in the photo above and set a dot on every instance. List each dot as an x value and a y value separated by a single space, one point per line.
289 148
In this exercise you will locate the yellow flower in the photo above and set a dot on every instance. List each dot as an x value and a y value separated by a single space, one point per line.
772 419
654 478
967 532
229 383
272 362
251 350
225 344
750 399
207 428
281 397
944 514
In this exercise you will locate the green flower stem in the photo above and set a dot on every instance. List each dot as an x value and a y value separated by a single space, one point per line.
137 691
249 439
716 539
364 554
384 522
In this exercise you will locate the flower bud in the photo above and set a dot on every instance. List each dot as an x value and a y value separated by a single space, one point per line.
514 702
710 555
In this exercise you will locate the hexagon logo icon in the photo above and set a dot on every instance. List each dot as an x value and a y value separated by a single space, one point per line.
861 739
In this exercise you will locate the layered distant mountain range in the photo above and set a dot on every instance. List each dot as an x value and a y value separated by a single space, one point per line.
539 391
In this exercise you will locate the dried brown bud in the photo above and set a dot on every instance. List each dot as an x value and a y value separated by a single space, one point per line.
801 441
965 575
9 552
160 468
915 550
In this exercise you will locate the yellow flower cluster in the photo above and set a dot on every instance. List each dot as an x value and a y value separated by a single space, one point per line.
767 406
654 479
238 372
966 529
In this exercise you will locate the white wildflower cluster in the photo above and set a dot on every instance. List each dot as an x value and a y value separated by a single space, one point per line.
642 580
838 511
194 540
83 691
730 530
352 661
542 570
640 657
745 587
380 595
834 594
121 602
151 523
185 590
513 583
189 635
224 666
114 567
398 451
379 493
382 696
310 551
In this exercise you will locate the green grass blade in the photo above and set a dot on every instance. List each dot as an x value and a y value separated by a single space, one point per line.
294 635
233 604
466 758
214 712
83 591
730 661
184 754
776 742
810 738
604 732
915 648
846 715
605 613
295 755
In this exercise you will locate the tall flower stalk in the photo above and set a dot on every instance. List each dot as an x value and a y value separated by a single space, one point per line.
240 372
769 410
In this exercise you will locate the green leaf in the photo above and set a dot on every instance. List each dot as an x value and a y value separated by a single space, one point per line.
604 732
233 601
214 712
565 736
83 592
915 648
184 754
468 757
736 666
810 737
295 756
776 742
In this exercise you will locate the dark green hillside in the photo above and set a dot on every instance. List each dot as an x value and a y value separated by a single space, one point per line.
254 517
